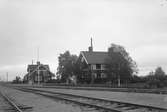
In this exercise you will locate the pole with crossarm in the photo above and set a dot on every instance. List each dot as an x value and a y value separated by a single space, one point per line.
38 75
119 80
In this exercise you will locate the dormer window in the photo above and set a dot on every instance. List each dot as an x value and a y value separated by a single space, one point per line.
98 66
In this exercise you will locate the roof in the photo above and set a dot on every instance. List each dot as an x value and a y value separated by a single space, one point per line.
33 67
95 57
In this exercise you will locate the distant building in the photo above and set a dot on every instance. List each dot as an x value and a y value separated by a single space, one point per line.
92 64
38 73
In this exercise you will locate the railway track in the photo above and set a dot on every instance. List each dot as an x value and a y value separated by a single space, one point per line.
13 107
100 104
132 90
9 105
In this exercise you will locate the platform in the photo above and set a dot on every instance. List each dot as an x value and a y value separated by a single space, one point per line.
157 100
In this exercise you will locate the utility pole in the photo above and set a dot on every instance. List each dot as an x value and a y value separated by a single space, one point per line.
38 74
119 80
28 77
38 65
7 76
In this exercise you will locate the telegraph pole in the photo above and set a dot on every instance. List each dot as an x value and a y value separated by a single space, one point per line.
119 80
38 75
7 76
38 66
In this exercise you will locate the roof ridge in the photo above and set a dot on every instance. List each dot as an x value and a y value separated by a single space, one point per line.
95 51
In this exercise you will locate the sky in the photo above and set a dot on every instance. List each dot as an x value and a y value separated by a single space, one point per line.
55 26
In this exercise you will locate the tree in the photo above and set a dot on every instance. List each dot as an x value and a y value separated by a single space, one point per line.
136 79
159 72
119 64
17 80
157 79
67 66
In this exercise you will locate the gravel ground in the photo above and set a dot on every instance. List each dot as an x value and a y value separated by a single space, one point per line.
158 100
42 104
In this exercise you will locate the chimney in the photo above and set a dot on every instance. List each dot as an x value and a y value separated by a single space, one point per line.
91 47
91 44
38 63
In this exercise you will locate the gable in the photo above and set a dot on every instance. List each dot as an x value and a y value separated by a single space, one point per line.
34 68
94 57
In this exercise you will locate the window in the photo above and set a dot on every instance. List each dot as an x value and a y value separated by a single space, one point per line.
93 67
98 66
103 67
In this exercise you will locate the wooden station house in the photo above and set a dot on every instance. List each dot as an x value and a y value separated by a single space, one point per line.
38 73
92 65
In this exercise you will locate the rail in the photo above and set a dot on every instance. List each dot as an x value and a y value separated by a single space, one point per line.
96 101
11 102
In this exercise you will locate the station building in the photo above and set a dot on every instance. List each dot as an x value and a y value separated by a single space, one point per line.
38 73
92 65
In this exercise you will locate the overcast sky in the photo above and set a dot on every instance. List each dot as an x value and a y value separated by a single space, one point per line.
59 25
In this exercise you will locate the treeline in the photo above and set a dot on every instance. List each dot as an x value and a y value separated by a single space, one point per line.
156 79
